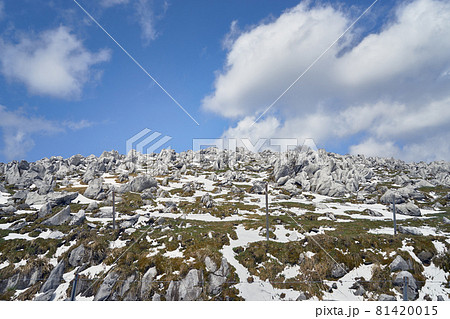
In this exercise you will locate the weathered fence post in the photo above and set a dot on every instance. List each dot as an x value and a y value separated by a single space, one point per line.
74 288
405 288
114 208
267 211
395 218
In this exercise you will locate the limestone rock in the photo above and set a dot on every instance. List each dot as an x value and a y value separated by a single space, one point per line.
339 270
60 218
106 287
45 210
147 281
384 297
76 256
54 279
78 218
399 264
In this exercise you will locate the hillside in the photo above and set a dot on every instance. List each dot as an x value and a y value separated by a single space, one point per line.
192 226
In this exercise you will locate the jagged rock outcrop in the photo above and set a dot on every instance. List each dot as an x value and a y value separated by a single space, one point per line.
76 256
189 288
106 287
217 277
146 283
95 188
54 279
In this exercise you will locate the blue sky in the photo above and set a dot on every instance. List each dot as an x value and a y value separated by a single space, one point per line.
67 88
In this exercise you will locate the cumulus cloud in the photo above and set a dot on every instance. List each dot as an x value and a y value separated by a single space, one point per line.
19 131
387 91
54 63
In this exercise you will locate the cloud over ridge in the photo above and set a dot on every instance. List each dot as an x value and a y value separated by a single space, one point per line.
389 91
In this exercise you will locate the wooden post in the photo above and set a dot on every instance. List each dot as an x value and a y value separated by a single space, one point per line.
395 218
114 209
405 288
267 211
74 288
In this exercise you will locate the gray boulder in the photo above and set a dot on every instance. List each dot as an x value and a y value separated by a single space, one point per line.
156 297
446 220
45 210
389 196
78 218
384 297
409 209
76 256
20 195
106 287
33 198
54 279
359 291
76 160
61 198
283 180
339 270
12 173
218 277
130 221
18 225
46 296
89 175
94 189
409 231
92 206
147 281
425 257
373 213
60 218
282 170
210 265
207 201
258 187
142 182
399 264
301 297
190 288
9 209
126 285
412 284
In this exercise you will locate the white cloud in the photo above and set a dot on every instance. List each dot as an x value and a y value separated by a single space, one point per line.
20 130
54 63
264 61
389 90
146 19
111 3
231 36
147 13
